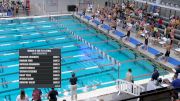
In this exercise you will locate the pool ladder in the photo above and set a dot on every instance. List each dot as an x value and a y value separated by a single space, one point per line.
7 98
82 83
4 83
100 67
1 69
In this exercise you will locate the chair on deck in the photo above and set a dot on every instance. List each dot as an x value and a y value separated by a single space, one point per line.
135 42
106 27
155 52
118 33
96 22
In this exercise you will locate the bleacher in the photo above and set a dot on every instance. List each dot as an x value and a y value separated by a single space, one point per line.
6 9
165 13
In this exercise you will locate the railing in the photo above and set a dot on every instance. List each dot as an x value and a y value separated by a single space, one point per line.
122 84
162 94
129 88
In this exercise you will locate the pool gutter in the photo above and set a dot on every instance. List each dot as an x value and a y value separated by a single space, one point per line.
12 18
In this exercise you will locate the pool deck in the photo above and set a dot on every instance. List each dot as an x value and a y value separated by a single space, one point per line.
109 93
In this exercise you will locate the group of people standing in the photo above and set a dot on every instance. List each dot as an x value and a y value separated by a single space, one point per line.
52 95
36 95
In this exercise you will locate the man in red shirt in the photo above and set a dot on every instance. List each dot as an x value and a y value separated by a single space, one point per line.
160 22
36 95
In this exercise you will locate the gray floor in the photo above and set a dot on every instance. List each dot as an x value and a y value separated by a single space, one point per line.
112 97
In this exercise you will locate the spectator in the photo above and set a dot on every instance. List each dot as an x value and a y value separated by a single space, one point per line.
155 35
84 12
93 15
173 22
172 37
109 17
22 96
146 7
168 32
73 81
165 31
113 24
36 95
155 32
156 13
52 95
160 22
139 33
102 19
176 82
177 22
17 8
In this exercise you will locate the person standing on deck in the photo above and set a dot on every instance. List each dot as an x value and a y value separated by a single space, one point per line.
73 81
146 42
128 32
167 53
36 95
22 96
52 95
129 76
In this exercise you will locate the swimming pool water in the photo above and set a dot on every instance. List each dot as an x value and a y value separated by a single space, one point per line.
47 33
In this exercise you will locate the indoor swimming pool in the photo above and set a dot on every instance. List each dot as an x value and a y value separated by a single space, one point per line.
90 67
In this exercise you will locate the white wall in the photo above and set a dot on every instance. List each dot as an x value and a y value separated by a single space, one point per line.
101 3
51 6
39 7
63 4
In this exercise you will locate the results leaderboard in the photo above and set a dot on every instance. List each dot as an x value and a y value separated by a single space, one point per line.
39 68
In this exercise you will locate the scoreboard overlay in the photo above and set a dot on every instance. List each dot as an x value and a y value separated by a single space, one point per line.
39 68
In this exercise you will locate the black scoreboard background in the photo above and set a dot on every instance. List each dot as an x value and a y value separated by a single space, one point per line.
39 68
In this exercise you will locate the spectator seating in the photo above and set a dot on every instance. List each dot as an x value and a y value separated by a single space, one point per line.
135 42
